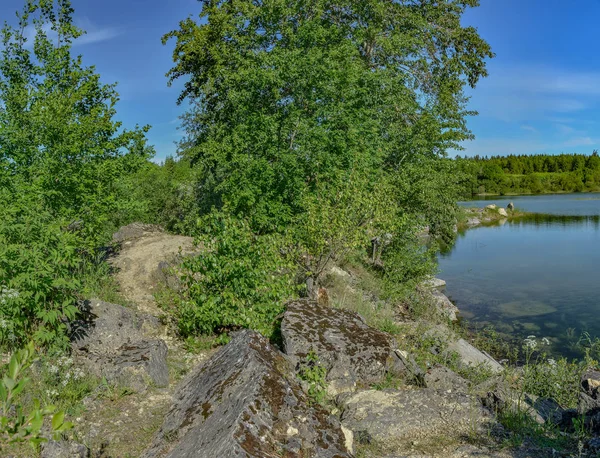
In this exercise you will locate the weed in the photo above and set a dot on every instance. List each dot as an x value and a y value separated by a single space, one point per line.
313 373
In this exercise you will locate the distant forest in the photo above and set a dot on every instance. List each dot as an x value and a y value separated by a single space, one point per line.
531 174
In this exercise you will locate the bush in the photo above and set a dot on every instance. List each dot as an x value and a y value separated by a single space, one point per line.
38 286
240 280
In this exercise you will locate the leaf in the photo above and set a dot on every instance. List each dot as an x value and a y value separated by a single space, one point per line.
58 419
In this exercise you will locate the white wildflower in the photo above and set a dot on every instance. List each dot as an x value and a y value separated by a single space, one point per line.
552 362
6 294
53 369
530 343
545 341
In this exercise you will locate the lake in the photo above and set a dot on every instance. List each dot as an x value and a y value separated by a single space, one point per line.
537 276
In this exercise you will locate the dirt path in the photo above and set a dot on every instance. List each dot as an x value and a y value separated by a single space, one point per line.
137 265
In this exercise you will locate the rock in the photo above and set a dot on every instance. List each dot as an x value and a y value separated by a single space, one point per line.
442 378
510 206
473 222
410 367
109 342
593 446
491 207
335 270
109 326
471 356
134 231
411 414
590 383
433 283
502 212
64 449
444 305
541 410
166 275
246 402
352 352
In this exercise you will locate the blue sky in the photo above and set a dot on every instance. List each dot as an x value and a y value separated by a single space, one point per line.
543 92
124 43
542 95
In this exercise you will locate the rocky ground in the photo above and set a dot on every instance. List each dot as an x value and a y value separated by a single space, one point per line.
333 387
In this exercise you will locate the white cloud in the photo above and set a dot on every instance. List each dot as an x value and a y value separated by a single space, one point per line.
94 34
528 128
579 141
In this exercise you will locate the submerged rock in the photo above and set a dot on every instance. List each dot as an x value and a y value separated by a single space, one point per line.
246 402
352 352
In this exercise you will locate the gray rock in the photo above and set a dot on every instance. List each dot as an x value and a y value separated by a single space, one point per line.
134 231
471 356
434 283
510 206
167 276
442 378
107 326
491 207
502 212
64 449
353 353
473 222
110 343
444 305
412 414
246 402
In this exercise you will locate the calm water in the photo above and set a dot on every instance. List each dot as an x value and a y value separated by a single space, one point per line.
538 276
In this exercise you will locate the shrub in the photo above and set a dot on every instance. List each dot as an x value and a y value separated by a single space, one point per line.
15 425
240 280
37 277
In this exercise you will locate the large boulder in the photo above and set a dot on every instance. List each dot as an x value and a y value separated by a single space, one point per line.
353 353
110 342
502 212
411 414
246 402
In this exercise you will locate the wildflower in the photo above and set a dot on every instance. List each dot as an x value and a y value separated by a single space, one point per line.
530 343
545 341
53 369
552 362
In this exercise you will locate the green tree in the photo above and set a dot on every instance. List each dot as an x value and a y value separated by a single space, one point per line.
289 95
58 138
315 119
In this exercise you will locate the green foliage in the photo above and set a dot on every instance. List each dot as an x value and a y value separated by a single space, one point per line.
161 194
318 116
550 378
240 279
15 425
313 373
38 285
59 140
62 156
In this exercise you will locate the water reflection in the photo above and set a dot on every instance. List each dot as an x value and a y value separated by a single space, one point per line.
534 275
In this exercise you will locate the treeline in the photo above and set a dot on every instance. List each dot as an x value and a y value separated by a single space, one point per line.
530 174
